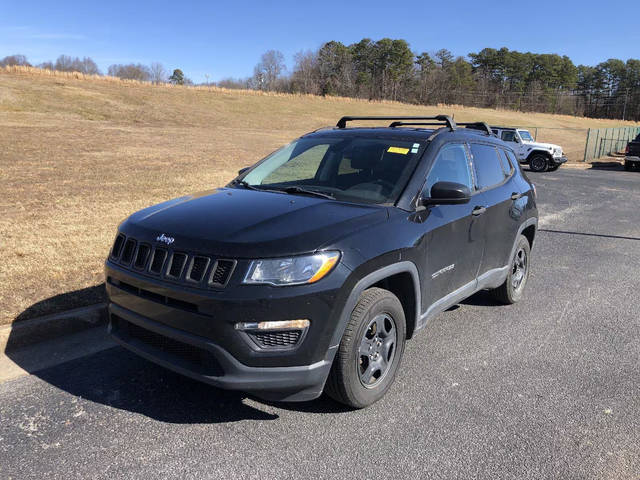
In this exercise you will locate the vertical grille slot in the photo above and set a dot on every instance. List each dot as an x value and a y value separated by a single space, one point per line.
176 265
127 252
197 269
157 262
142 256
221 272
117 246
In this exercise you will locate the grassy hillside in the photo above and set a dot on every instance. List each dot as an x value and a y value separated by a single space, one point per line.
78 155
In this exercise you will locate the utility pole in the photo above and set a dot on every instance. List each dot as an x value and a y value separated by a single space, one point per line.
624 110
206 75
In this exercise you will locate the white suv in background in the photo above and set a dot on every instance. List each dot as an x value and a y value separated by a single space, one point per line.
540 157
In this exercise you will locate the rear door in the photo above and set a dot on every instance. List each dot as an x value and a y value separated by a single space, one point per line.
498 194
455 240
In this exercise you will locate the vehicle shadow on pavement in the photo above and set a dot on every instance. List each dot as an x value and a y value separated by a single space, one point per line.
121 380
482 299
64 301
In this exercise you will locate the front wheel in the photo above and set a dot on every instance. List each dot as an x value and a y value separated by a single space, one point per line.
513 287
628 166
538 163
370 350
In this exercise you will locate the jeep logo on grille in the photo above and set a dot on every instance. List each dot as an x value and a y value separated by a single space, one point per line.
164 239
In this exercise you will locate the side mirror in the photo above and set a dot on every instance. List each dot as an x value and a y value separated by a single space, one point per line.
447 193
242 170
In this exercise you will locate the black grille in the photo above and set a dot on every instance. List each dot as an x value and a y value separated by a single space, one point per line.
157 262
277 339
177 264
156 297
127 252
117 246
221 272
198 359
142 256
197 269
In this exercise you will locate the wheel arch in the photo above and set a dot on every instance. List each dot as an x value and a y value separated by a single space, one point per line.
539 152
401 279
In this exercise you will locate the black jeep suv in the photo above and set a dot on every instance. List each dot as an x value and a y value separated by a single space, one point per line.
310 270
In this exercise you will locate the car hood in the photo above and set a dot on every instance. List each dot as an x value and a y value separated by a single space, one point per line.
545 146
248 224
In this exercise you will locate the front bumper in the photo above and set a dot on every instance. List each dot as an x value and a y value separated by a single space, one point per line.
193 332
560 160
200 359
632 159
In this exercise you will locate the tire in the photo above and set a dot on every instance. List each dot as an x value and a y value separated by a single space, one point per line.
538 163
377 311
512 289
628 166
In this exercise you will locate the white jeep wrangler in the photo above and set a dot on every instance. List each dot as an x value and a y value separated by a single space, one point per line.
540 157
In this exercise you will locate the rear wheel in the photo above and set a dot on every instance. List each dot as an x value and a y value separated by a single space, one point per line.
538 163
513 287
370 350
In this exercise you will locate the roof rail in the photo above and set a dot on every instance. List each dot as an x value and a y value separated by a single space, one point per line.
407 124
478 126
342 123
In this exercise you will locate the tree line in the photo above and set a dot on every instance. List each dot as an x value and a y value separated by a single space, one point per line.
387 69
155 73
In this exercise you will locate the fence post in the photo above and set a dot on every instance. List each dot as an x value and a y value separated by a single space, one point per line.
586 146
596 146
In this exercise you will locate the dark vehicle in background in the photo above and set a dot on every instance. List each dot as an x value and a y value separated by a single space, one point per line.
632 154
309 270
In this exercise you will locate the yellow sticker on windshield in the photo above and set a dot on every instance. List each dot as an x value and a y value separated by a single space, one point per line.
401 150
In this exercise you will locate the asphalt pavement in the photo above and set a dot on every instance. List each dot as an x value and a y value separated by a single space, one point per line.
547 388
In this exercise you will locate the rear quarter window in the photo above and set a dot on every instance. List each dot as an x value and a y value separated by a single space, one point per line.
487 164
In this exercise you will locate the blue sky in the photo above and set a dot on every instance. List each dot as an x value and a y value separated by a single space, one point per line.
223 39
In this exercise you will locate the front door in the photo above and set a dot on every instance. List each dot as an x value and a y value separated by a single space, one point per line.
456 239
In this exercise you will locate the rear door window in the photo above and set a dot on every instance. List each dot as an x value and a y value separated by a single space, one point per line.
509 136
487 166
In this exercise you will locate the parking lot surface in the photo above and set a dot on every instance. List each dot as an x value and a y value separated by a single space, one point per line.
547 388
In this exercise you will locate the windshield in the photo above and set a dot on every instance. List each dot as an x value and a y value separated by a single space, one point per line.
525 135
357 169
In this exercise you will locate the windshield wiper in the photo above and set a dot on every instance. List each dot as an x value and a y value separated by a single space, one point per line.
246 185
297 189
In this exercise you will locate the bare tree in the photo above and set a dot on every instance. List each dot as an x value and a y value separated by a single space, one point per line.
130 71
65 63
14 60
270 68
158 73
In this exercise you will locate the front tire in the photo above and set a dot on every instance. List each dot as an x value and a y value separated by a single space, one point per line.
628 166
512 289
370 350
538 163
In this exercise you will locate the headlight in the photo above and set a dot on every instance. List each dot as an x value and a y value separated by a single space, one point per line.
293 270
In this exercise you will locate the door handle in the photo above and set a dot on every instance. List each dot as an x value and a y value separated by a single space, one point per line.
478 210
515 196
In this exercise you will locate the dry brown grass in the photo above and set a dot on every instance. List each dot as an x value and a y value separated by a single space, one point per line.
79 154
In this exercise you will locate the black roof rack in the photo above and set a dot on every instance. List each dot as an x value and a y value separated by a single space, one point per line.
407 124
342 123
478 126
